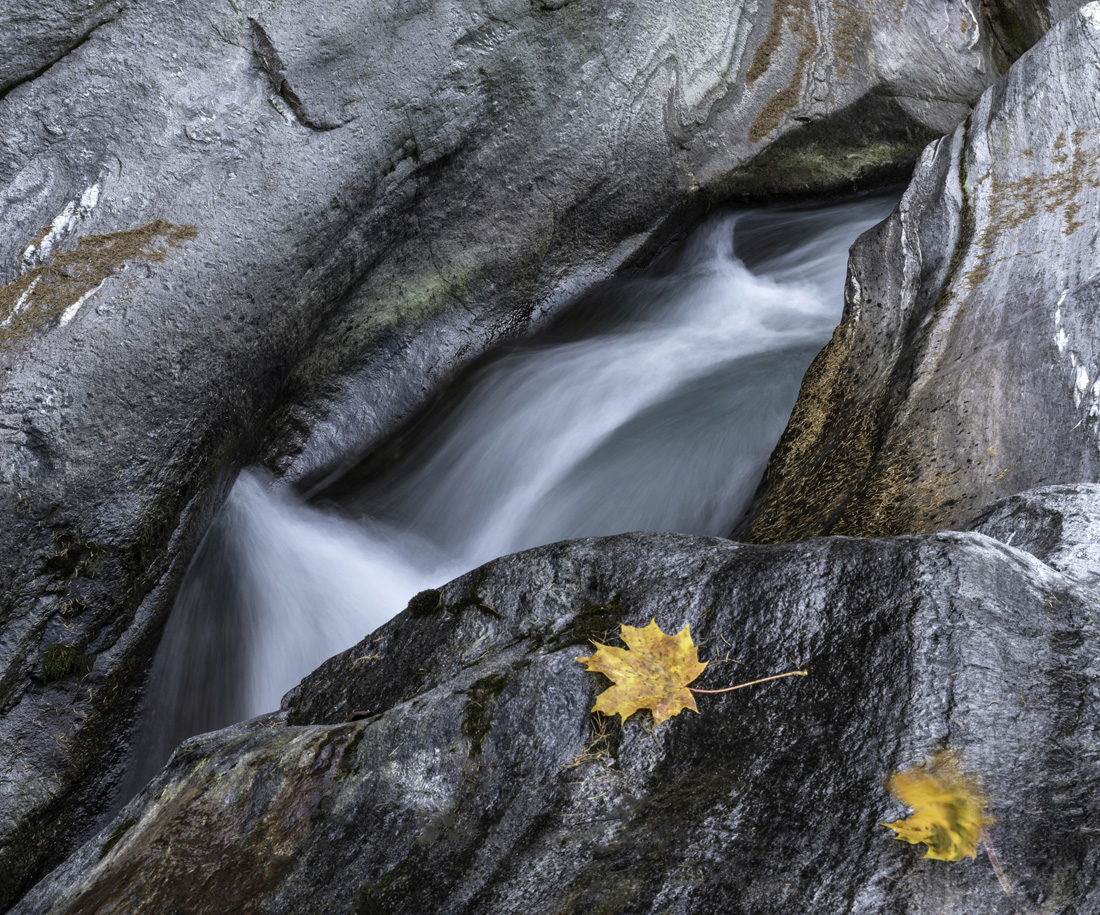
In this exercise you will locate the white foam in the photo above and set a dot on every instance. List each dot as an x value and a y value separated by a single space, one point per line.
663 421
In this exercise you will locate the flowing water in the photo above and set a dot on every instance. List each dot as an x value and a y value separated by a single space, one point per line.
653 407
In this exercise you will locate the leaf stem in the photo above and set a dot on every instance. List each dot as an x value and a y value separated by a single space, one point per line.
789 673
1002 877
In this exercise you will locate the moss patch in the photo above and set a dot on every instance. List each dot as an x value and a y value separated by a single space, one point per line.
848 34
477 718
795 11
1009 29
45 292
592 623
472 600
425 603
59 661
116 835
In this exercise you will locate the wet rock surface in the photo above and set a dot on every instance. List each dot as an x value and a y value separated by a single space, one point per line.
472 777
965 369
238 230
1058 524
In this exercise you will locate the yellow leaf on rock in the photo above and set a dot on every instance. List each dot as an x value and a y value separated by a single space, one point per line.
653 674
948 808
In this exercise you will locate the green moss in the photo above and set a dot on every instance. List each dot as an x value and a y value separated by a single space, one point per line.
347 758
60 660
1009 30
472 600
870 144
73 557
425 603
592 622
116 835
416 296
812 168
477 718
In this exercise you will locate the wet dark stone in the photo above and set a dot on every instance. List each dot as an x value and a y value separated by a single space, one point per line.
483 779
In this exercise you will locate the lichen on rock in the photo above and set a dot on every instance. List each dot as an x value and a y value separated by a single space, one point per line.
56 288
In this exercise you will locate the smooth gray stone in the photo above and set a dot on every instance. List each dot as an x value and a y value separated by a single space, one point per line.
1058 524
324 212
472 783
34 37
966 367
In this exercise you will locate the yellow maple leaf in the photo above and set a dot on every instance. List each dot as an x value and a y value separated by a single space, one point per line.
948 808
653 674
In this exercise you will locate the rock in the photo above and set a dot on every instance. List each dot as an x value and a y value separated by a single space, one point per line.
1058 524
234 230
479 782
39 35
966 366
623 125
1057 9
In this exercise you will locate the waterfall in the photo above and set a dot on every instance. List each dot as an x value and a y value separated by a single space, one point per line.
652 406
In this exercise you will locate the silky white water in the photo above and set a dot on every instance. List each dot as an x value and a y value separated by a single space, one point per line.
660 416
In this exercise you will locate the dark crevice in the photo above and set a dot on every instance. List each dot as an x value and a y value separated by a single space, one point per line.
966 223
1015 27
272 64
43 70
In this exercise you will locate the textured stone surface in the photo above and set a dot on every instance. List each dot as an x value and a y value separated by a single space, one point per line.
565 134
229 228
1058 9
465 787
37 36
966 367
1058 524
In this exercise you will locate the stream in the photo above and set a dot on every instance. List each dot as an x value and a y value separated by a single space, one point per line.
652 405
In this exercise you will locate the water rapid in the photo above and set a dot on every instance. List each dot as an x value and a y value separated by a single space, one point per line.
653 407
